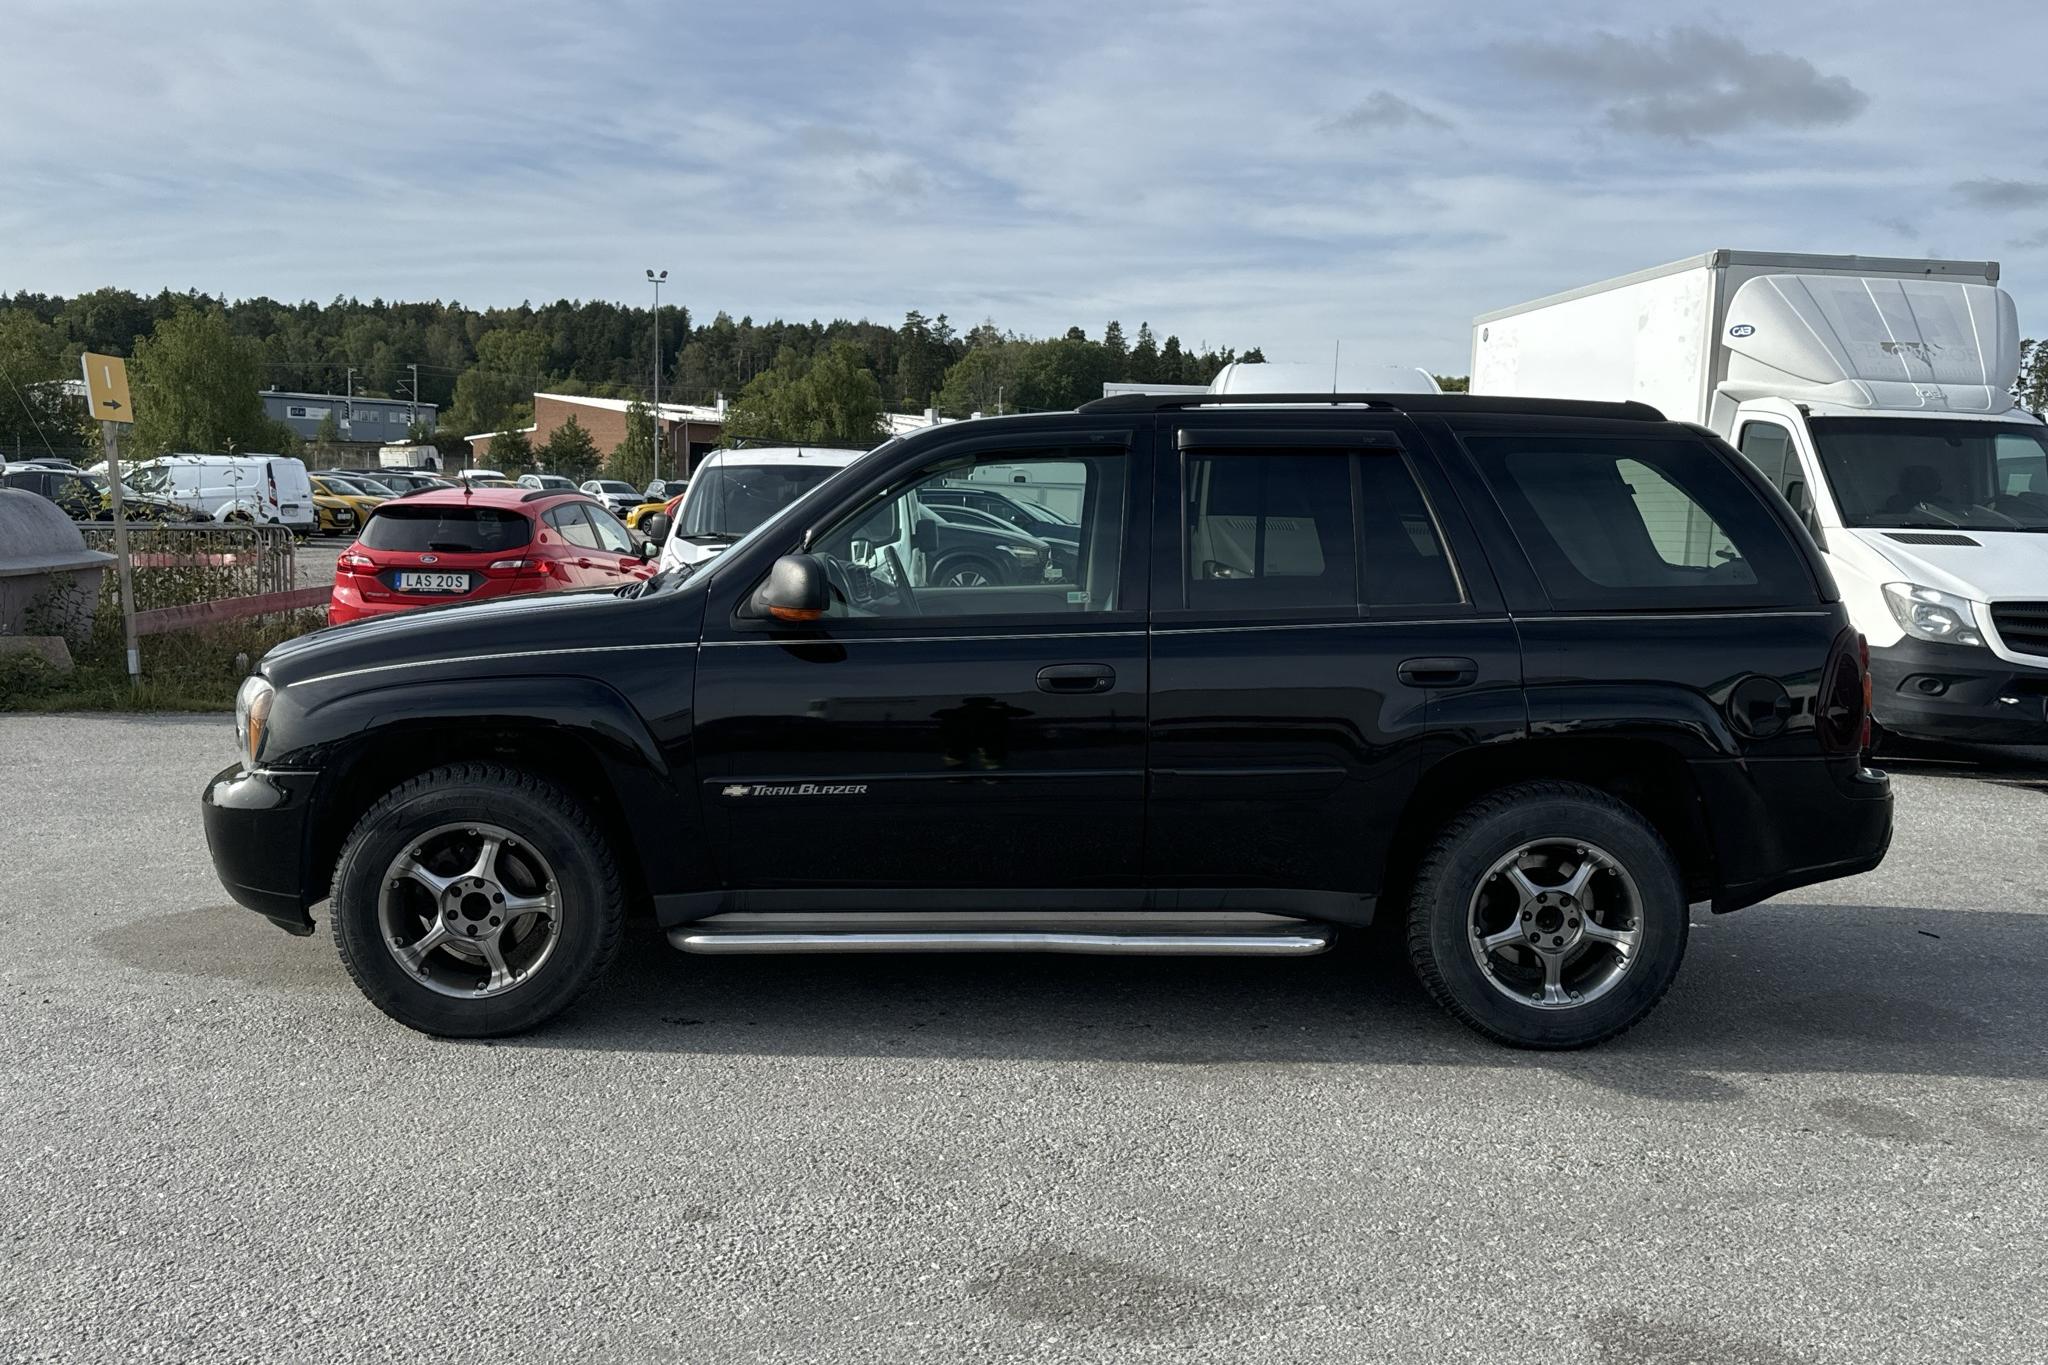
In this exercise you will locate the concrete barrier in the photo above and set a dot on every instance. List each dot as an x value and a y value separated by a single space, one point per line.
49 580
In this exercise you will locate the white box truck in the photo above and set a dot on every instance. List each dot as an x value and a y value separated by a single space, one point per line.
1874 394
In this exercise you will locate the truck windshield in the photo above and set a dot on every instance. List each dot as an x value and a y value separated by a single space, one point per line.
1905 471
729 500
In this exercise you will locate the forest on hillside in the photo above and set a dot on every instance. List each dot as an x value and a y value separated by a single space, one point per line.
480 367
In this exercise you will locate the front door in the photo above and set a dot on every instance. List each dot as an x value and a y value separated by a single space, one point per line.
1301 594
940 729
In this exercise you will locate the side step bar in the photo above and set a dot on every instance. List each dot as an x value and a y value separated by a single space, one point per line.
694 938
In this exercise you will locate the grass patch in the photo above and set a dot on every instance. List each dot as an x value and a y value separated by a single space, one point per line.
189 670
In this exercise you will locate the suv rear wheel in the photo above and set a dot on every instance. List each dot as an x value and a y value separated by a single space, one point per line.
1548 915
476 900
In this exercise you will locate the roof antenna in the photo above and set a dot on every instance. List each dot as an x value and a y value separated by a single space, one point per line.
1335 355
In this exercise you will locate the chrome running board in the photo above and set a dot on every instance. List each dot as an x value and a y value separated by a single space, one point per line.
1308 939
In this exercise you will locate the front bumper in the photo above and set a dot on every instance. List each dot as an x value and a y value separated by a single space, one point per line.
256 825
1959 693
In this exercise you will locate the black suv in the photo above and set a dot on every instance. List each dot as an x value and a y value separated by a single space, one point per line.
1527 678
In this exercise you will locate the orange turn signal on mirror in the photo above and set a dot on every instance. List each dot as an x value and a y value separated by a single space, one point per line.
797 613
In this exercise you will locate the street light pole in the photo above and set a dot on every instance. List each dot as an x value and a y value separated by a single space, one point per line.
656 281
348 406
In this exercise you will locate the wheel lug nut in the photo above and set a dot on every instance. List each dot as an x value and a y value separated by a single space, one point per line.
1571 924
494 919
1525 914
1559 940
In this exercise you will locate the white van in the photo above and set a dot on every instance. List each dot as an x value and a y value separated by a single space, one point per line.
733 491
268 490
1875 394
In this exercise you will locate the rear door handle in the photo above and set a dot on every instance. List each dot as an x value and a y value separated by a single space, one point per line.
1438 672
1076 678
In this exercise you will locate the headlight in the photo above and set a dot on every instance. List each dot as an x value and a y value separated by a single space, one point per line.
1019 551
252 717
1926 614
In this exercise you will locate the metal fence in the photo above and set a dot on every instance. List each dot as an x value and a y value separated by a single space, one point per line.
182 566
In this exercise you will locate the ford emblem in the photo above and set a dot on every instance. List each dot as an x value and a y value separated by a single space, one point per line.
430 559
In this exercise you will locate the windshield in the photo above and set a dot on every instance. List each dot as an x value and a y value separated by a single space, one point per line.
147 480
374 488
1891 471
412 527
729 500
341 486
613 486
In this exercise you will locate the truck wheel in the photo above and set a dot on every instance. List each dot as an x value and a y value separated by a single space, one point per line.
1548 915
476 900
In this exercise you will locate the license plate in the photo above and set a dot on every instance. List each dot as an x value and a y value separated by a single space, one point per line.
433 582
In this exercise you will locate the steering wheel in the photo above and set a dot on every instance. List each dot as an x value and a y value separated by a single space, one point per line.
902 577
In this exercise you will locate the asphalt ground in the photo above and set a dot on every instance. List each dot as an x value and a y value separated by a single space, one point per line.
1826 1145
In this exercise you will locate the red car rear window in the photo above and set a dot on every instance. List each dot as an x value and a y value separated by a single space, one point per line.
448 530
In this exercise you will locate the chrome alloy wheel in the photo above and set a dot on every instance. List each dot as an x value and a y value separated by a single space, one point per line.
1555 924
469 910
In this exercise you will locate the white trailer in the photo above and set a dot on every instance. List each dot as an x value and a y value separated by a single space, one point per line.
1875 394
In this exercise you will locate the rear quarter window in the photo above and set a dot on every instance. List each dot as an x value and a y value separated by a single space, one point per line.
1615 522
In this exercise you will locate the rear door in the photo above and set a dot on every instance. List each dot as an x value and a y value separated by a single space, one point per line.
1309 611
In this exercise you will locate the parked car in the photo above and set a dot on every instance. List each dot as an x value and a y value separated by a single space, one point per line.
400 481
472 475
616 494
733 491
342 506
265 490
1036 519
463 545
1326 658
554 482
660 499
86 497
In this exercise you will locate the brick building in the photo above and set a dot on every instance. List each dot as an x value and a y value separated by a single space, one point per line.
688 431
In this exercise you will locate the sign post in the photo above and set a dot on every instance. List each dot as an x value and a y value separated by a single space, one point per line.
106 392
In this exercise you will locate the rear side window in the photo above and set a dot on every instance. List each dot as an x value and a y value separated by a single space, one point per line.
1616 523
1270 531
410 528
1404 560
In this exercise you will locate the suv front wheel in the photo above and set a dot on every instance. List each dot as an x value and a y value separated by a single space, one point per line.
476 900
1548 915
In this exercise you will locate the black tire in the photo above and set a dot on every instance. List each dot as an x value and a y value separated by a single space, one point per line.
1490 829
553 823
946 568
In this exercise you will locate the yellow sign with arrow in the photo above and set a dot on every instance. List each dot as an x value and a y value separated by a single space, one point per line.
106 387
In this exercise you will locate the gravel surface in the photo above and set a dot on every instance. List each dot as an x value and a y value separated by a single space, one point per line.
313 560
1827 1145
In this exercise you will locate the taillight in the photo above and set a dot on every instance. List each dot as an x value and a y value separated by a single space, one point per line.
1842 710
355 565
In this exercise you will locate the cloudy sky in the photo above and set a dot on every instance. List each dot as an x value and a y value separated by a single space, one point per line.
1238 173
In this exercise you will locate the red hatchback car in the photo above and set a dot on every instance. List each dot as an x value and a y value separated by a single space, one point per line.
466 545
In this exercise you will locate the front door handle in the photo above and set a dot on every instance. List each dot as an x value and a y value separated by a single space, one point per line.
1076 678
1438 672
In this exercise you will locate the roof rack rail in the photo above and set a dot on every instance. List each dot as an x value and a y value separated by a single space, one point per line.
1397 402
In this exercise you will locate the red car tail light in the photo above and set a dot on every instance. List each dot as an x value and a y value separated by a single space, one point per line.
356 566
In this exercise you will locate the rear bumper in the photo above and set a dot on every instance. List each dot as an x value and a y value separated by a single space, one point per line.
1952 692
1779 824
256 833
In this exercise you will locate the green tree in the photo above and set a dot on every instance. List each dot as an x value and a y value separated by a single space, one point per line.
1055 375
1453 383
197 388
632 459
981 381
36 415
511 451
1116 349
1144 366
497 391
832 400
570 452
2031 388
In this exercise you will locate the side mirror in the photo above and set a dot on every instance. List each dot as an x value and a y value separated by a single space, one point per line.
648 550
795 590
655 526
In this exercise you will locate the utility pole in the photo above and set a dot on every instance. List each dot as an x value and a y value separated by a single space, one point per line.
348 407
656 281
412 411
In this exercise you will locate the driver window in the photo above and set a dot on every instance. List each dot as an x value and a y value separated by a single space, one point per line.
922 549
